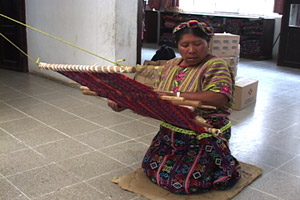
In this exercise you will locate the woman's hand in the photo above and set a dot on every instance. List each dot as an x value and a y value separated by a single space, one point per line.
116 107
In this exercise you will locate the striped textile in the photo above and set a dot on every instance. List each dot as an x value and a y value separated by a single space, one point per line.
213 75
135 96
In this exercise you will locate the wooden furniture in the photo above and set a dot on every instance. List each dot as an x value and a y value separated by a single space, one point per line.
151 24
289 46
256 33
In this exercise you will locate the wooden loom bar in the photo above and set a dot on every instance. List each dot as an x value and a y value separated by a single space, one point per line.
89 92
201 122
87 68
174 100
187 103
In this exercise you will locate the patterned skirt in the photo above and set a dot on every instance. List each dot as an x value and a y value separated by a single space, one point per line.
183 164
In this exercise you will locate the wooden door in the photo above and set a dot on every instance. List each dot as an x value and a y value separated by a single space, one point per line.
140 8
10 57
289 46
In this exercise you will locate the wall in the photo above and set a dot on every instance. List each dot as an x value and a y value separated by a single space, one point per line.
89 24
126 30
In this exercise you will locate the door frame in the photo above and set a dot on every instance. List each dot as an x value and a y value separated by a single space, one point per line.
22 60
281 60
140 7
23 36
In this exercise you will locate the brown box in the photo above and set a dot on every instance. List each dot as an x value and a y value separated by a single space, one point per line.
155 63
148 74
245 92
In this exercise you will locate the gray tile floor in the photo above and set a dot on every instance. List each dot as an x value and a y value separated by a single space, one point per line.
56 143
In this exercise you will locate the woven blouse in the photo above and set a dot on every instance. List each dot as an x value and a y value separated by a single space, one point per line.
213 75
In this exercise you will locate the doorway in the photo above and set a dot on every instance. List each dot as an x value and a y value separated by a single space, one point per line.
10 57
289 46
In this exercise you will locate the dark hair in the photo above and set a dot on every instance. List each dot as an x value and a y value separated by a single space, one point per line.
196 31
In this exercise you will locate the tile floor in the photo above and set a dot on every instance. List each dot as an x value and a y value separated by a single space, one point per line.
56 143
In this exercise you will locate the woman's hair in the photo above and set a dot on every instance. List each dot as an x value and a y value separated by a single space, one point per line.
195 31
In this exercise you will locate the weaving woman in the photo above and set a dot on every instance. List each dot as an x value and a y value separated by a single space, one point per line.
176 160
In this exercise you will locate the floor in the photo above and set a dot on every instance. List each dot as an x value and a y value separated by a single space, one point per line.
56 143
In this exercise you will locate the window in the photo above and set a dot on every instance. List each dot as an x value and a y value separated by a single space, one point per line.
243 7
295 16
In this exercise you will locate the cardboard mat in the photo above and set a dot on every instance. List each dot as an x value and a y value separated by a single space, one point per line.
138 183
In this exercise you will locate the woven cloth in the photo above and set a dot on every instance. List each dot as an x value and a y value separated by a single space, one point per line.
135 96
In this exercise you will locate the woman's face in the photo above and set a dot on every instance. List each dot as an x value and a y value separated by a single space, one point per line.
193 49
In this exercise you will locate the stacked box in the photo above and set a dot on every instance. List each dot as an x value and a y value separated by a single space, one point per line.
226 46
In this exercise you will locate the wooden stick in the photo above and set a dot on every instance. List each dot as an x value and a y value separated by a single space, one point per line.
162 91
87 68
172 98
208 107
200 121
84 88
89 92
187 103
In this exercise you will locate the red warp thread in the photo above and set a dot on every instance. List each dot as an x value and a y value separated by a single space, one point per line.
135 96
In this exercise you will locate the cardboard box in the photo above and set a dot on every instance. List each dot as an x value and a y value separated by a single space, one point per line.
148 74
245 92
225 39
155 63
224 45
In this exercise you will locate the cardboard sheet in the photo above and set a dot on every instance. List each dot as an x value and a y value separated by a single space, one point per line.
138 183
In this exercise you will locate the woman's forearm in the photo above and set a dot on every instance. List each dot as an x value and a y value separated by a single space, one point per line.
209 98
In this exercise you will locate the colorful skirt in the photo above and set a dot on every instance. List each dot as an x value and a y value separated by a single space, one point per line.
183 164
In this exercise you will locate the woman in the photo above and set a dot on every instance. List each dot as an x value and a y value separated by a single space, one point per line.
179 162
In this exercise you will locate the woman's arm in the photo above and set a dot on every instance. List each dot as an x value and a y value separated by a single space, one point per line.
207 97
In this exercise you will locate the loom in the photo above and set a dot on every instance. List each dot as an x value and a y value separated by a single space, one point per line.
110 83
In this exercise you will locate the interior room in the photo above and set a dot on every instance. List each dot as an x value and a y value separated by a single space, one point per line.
62 136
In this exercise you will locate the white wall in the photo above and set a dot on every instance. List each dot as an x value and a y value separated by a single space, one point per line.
126 30
91 24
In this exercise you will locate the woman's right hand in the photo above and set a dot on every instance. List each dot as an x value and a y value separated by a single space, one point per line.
116 107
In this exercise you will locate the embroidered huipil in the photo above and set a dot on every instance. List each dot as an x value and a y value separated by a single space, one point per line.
213 75
181 163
